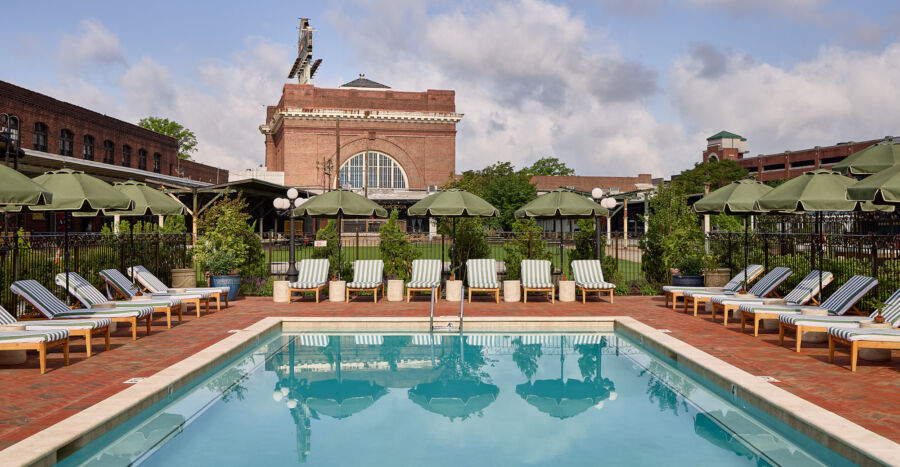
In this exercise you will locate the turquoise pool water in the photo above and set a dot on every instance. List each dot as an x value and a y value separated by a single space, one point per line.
477 399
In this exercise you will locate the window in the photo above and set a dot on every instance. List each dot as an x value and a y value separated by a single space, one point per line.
66 139
383 171
142 159
10 124
40 136
126 155
109 152
157 162
87 151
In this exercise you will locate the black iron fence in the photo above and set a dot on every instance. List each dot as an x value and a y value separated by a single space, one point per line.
41 257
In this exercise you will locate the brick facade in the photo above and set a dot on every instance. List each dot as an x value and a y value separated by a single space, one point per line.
161 152
416 129
586 184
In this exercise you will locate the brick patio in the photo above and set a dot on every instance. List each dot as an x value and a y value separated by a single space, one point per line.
31 402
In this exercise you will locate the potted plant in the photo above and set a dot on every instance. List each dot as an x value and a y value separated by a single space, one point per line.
687 273
398 254
713 275
222 266
453 287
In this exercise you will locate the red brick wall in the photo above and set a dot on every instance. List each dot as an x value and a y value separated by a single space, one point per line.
817 157
31 107
307 96
583 183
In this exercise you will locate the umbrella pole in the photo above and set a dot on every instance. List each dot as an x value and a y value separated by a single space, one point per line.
66 252
131 252
455 252
561 261
819 251
339 265
746 248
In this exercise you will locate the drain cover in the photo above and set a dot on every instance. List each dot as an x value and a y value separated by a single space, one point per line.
664 330
133 380
233 331
769 379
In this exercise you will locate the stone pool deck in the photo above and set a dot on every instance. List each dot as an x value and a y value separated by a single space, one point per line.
31 402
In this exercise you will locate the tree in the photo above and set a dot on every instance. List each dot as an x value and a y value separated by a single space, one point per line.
187 141
526 243
673 234
396 251
501 185
716 173
549 166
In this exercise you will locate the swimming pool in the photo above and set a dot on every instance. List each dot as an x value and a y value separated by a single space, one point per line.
451 399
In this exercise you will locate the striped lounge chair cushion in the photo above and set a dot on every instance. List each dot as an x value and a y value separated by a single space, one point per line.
860 334
837 304
426 339
89 296
589 275
482 274
733 285
802 293
52 307
426 273
536 274
367 274
313 273
890 312
154 285
124 285
312 340
368 339
32 337
763 287
38 325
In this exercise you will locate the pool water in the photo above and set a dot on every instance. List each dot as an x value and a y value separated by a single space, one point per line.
477 399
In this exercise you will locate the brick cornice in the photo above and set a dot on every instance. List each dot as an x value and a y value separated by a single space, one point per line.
280 115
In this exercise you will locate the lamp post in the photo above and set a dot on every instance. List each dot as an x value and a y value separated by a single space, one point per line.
609 203
597 194
288 204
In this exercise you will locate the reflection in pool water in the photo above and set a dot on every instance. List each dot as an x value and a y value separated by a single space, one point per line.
449 400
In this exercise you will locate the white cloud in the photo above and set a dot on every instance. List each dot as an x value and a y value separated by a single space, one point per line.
839 95
93 44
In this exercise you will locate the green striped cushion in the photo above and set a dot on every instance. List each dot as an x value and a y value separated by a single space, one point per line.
848 294
808 287
23 337
156 286
35 293
762 287
733 285
313 273
367 274
7 318
425 273
122 283
90 297
536 274
861 334
482 274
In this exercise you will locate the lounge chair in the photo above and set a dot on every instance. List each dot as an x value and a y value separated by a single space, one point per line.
762 288
861 338
312 277
734 285
90 297
426 277
806 323
805 291
119 286
589 278
155 286
842 300
367 275
45 303
76 327
481 275
536 277
37 340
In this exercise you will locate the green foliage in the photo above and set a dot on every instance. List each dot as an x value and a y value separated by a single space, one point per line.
187 141
716 173
549 166
585 241
611 273
222 263
646 288
227 242
501 185
470 242
776 183
726 223
673 233
338 267
396 250
526 242
690 265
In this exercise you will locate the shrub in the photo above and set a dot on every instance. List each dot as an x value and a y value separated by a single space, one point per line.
526 243
227 241
585 241
338 267
469 242
673 232
396 250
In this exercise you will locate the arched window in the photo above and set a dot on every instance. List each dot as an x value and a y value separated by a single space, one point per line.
10 124
126 155
40 136
87 151
713 158
383 171
109 152
142 159
157 162
66 142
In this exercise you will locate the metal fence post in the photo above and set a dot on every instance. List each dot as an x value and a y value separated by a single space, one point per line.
357 244
765 251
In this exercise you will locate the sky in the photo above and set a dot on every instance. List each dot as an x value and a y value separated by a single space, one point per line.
610 87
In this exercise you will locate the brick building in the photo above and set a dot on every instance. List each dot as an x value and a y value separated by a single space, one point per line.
783 166
610 185
47 128
410 137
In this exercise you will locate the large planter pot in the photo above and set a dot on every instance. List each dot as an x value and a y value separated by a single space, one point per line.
336 291
233 282
453 289
716 277
395 290
687 281
184 279
512 290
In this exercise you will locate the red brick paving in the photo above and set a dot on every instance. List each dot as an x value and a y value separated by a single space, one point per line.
31 402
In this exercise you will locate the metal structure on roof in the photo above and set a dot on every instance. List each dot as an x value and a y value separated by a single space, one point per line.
304 67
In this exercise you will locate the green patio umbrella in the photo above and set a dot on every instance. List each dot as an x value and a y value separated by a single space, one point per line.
342 398
340 204
870 160
562 204
454 398
815 191
19 190
76 191
881 188
738 197
452 203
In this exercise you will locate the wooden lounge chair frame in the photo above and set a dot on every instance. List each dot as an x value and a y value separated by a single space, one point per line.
120 294
218 296
855 346
42 348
